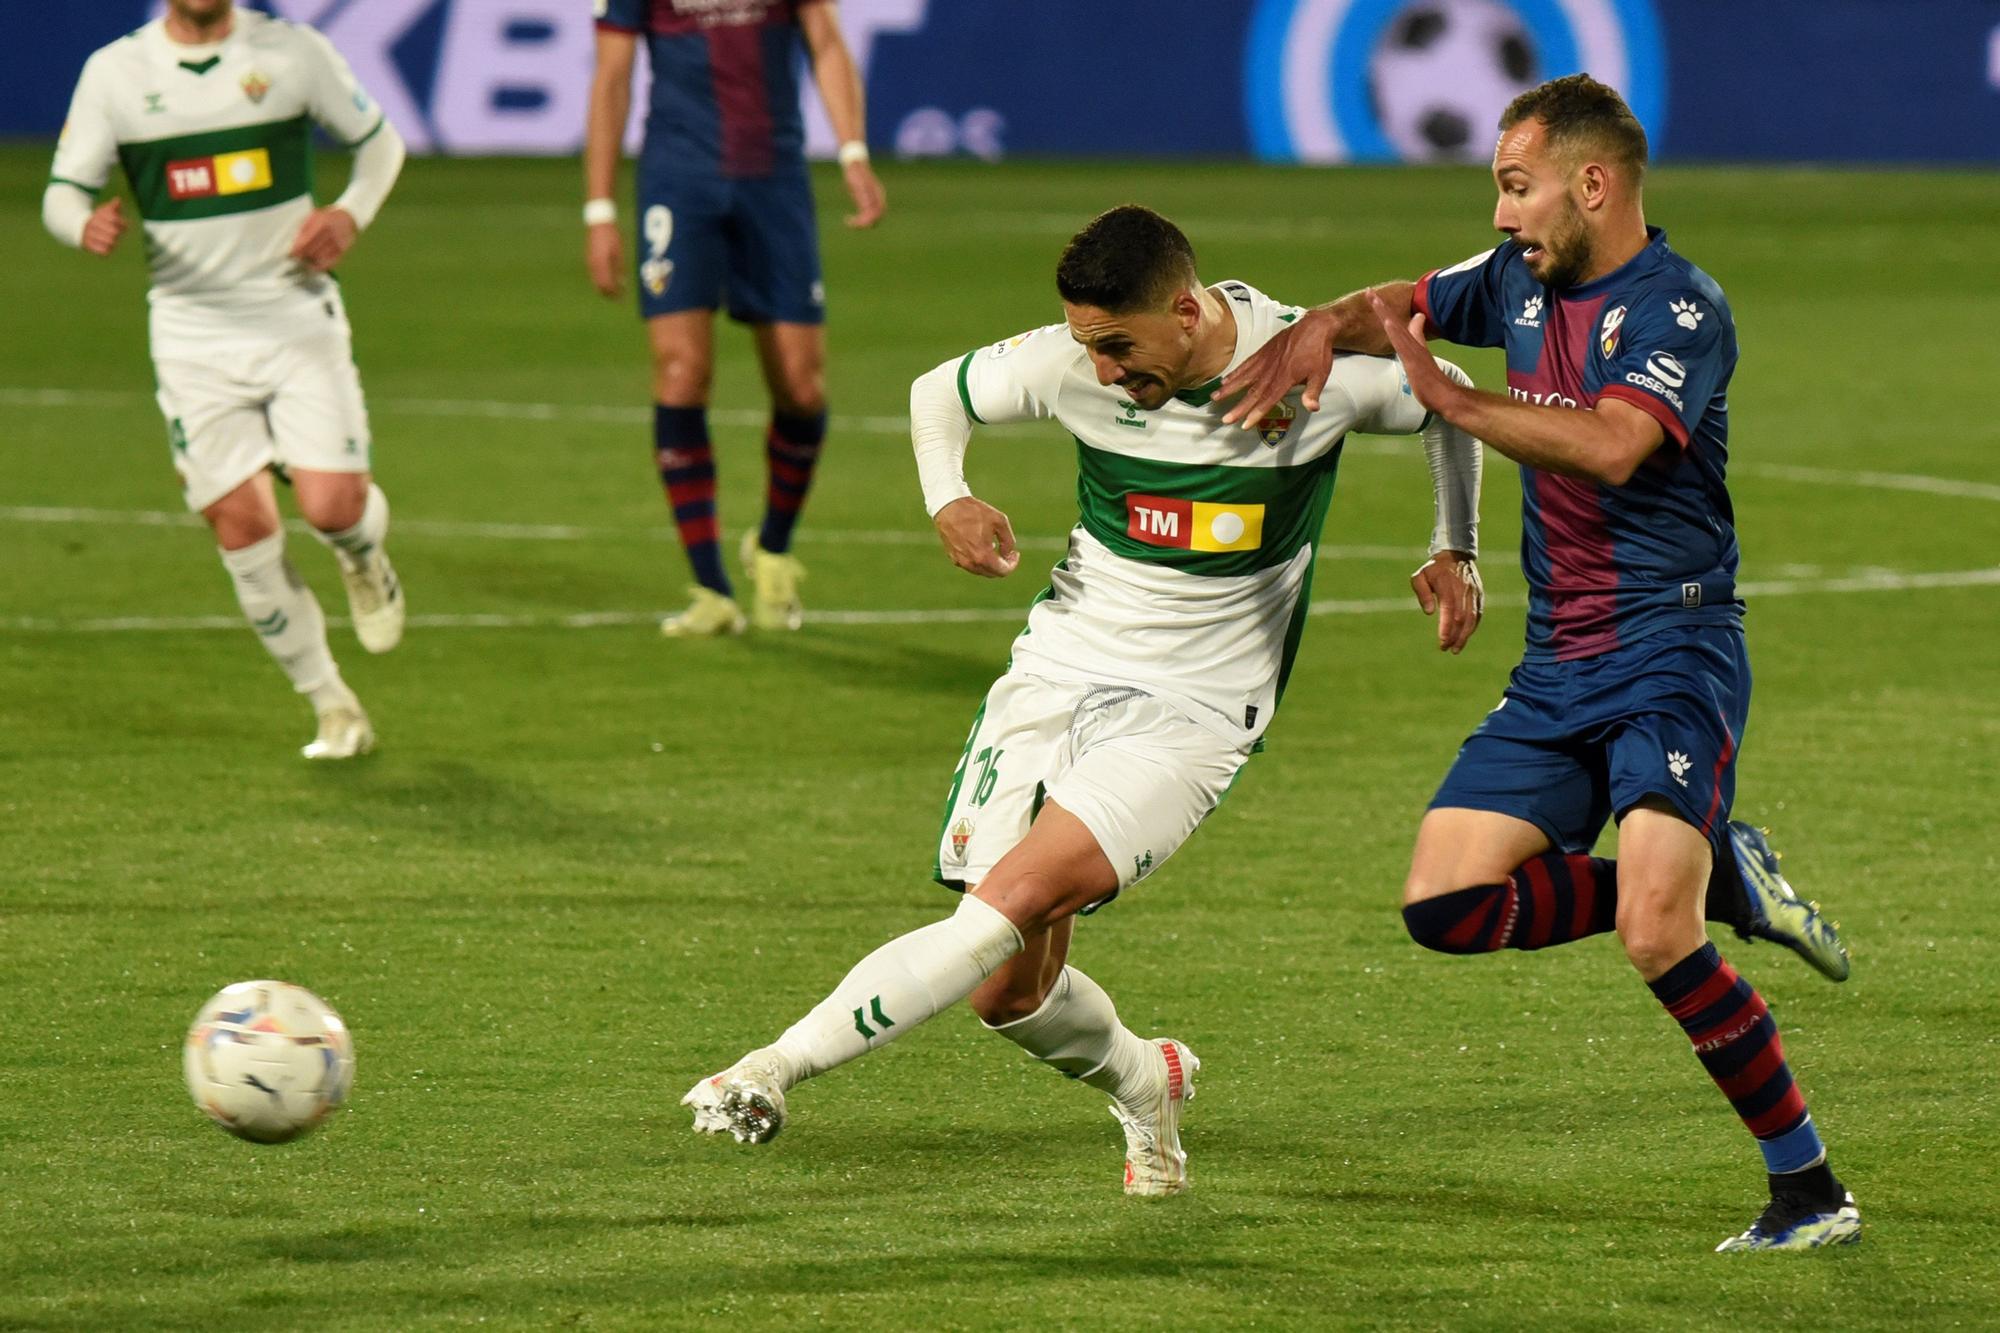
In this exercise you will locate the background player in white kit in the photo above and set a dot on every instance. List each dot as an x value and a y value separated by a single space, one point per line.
1148 671
210 111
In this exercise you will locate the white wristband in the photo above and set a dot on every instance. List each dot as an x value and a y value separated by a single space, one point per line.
597 212
851 152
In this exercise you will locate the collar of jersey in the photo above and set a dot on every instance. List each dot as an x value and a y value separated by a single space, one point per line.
1199 395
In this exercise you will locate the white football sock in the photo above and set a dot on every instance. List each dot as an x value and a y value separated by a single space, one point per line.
908 980
1077 1031
353 545
286 616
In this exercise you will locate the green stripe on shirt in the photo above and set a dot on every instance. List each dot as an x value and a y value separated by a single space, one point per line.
288 143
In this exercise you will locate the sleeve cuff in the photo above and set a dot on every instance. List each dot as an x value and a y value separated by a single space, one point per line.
1420 301
1654 407
606 25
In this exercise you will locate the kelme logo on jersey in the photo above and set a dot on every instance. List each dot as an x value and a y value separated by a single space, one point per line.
225 173
1607 335
1271 427
1193 525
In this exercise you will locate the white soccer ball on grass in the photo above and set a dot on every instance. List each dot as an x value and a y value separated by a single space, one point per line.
268 1061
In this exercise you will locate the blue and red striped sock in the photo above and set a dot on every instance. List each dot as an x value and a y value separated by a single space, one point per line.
687 470
1549 899
791 447
1737 1042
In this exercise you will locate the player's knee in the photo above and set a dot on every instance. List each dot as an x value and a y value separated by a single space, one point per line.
800 392
1657 935
335 509
1005 999
682 379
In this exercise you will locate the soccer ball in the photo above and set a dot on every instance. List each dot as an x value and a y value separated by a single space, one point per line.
1442 74
267 1060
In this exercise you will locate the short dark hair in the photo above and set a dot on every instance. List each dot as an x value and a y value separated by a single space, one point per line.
1125 259
1582 116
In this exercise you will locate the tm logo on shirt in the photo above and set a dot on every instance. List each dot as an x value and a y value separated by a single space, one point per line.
1193 525
225 173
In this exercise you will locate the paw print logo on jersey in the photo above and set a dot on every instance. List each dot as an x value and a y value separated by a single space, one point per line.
1685 314
1531 312
1678 764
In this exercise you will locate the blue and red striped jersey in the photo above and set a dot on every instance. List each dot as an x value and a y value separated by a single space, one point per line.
725 82
1606 565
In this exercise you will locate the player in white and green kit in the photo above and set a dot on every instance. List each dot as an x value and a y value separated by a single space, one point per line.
1148 671
210 111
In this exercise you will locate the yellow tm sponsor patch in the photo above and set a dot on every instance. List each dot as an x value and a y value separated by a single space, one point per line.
1226 527
238 173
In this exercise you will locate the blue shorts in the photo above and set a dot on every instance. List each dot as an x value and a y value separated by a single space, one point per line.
1574 743
703 237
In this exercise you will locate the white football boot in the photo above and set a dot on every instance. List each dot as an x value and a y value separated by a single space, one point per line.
1154 1161
710 615
374 599
344 732
746 1100
775 579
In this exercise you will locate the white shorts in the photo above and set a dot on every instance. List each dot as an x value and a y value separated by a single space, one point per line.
1136 770
295 403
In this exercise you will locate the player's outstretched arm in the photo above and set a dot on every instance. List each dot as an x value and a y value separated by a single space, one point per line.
1605 445
1302 354
603 145
839 82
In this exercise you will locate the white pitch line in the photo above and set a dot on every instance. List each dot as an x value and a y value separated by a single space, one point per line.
496 409
1874 581
569 532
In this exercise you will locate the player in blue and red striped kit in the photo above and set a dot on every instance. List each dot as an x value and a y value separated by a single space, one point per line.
1631 698
725 214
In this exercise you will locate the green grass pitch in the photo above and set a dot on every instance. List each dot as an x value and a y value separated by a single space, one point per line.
589 866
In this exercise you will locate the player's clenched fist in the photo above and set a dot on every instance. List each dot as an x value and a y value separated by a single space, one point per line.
325 237
978 538
107 223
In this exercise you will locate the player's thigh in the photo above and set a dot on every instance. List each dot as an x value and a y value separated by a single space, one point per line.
217 430
774 269
246 515
1059 869
1523 772
681 255
318 416
793 359
1011 753
1141 776
1680 708
1458 848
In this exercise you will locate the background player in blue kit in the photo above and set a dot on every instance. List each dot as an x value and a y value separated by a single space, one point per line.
1631 697
725 214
